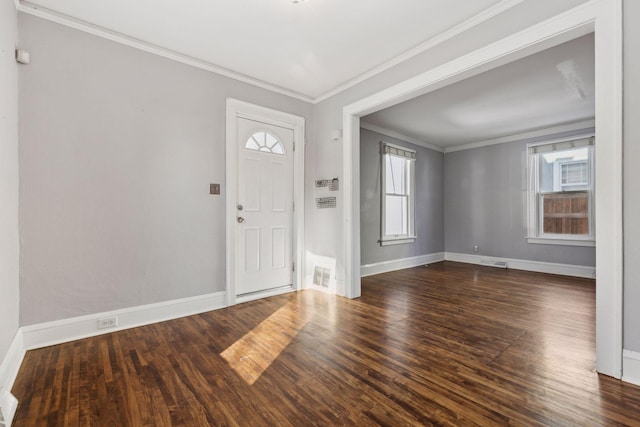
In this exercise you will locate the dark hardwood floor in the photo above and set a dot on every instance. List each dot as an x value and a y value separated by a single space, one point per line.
448 344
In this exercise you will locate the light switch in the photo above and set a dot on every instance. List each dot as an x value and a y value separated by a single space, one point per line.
214 188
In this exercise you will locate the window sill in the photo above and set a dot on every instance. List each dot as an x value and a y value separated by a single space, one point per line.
398 241
564 242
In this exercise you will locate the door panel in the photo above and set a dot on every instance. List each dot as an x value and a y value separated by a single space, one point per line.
278 247
252 250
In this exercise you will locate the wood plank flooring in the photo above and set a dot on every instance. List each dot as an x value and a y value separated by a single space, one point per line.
448 344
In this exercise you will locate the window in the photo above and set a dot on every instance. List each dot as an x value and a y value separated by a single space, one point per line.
573 173
265 142
561 192
398 200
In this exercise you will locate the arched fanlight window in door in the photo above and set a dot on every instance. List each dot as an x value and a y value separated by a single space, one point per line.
265 142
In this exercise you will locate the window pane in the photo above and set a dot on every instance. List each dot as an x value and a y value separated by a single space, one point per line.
566 213
396 215
564 170
259 136
388 185
265 142
277 149
395 175
271 140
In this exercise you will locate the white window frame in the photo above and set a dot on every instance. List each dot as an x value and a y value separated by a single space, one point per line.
535 209
410 236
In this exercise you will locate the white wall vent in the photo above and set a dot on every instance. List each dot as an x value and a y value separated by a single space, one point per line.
493 263
324 273
321 276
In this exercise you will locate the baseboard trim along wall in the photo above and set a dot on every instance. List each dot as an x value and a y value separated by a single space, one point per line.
521 264
8 407
399 264
8 372
516 264
60 331
631 367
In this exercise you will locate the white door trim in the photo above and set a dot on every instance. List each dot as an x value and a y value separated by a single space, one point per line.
605 18
235 109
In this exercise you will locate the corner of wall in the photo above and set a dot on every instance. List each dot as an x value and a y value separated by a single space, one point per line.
8 372
631 366
11 349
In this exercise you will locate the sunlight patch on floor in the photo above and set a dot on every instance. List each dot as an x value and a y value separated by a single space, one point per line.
252 354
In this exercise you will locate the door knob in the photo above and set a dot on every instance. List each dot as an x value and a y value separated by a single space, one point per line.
240 207
240 219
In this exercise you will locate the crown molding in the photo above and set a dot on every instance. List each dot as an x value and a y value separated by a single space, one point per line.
553 130
60 18
475 20
96 30
395 134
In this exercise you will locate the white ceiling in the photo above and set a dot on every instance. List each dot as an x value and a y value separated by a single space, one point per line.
554 87
308 49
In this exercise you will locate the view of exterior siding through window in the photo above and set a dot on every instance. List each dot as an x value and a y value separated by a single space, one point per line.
566 213
564 191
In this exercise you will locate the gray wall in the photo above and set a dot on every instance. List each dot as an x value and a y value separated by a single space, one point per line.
486 205
9 242
631 175
429 201
117 150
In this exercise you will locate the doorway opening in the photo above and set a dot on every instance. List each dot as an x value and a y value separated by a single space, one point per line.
602 18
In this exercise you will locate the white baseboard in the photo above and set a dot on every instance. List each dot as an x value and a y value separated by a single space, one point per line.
264 294
8 407
60 331
516 264
521 264
631 366
8 372
308 284
399 264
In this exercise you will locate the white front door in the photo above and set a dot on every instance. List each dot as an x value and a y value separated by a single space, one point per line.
264 210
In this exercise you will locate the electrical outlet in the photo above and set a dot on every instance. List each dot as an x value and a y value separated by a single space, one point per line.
476 248
108 322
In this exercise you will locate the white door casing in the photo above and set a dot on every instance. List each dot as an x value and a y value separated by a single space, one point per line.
264 159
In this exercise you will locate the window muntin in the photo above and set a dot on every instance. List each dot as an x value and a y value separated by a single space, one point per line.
265 142
561 190
398 204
